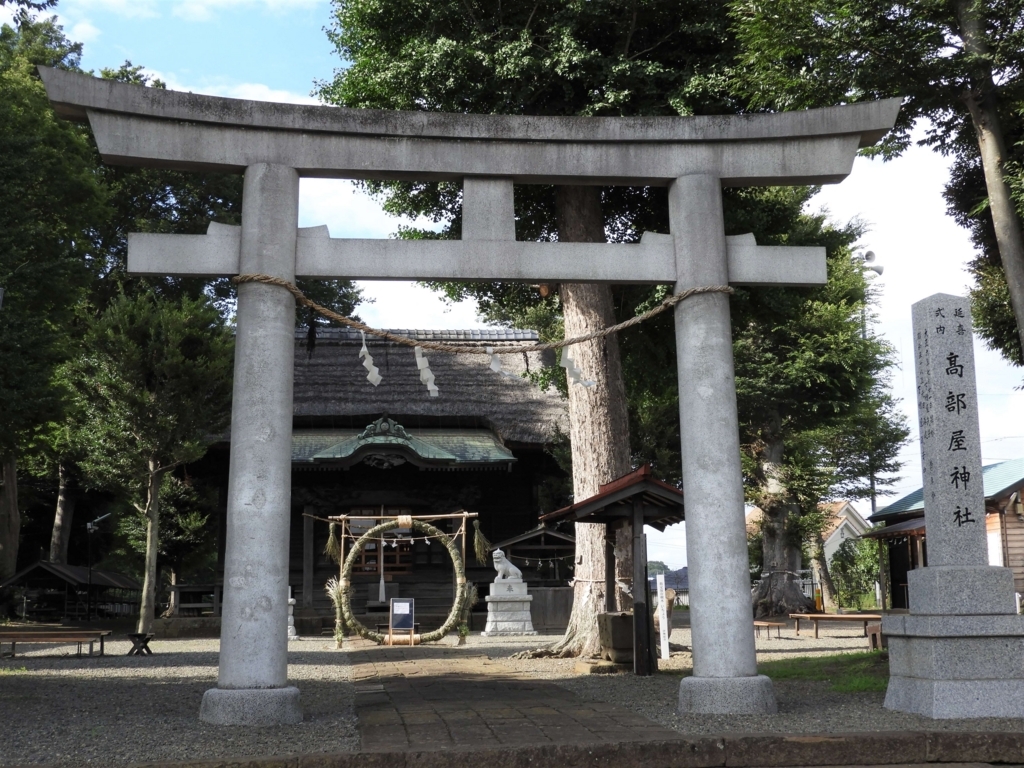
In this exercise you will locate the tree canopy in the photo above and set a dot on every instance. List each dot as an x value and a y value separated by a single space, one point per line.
960 67
806 368
154 384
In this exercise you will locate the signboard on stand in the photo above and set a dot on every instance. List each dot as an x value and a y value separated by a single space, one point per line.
662 615
402 618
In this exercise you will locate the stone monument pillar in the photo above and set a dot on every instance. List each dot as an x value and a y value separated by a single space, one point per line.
292 634
508 604
725 679
957 653
252 685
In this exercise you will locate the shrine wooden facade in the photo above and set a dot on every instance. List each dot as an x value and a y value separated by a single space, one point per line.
480 445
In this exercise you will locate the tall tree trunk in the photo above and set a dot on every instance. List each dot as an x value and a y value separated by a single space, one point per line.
981 102
10 516
61 536
147 610
779 591
824 576
172 603
598 422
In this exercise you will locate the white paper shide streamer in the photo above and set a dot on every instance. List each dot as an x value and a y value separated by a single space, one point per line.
573 373
373 372
496 364
425 375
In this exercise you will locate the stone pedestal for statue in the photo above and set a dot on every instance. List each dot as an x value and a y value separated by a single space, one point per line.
508 610
958 652
508 605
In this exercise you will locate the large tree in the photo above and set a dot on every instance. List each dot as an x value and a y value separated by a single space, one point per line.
613 57
49 201
135 200
806 366
960 65
155 385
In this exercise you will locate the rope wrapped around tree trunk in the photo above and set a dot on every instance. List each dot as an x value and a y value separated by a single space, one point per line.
458 349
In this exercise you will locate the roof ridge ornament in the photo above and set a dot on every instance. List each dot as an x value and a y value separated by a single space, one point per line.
385 427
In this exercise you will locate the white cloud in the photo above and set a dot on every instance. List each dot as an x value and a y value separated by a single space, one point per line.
6 15
254 91
204 10
190 10
124 8
84 32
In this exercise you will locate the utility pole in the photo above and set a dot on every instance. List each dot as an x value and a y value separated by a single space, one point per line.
90 529
866 262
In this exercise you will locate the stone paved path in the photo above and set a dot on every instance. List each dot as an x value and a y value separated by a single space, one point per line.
429 697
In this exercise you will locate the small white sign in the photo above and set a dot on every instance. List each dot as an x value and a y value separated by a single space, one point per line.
401 608
662 615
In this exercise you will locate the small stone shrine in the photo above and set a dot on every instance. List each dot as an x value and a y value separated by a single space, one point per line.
508 605
957 653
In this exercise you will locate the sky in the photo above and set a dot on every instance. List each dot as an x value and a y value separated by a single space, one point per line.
277 50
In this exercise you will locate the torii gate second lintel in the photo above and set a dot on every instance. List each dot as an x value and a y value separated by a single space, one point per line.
274 144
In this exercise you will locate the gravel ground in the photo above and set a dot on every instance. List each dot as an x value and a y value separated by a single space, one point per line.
118 710
804 706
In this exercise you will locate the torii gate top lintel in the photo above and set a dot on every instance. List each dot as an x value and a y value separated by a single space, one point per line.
134 125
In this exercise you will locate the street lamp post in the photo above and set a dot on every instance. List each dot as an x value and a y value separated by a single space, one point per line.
90 529
866 261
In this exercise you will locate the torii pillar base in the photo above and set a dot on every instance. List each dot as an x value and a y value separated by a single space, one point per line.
727 696
251 706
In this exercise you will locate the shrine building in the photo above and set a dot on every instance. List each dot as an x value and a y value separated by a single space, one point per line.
481 445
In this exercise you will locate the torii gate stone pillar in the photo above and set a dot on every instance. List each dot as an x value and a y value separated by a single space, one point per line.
275 144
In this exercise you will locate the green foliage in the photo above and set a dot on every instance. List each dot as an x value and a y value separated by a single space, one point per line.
187 539
854 568
49 200
811 53
654 567
847 672
799 351
154 383
181 202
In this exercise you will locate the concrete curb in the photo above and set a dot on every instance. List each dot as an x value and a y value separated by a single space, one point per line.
732 751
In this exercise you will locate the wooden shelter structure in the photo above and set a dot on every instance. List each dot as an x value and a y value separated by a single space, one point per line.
902 535
55 591
636 499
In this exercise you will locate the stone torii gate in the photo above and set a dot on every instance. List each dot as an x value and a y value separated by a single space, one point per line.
276 144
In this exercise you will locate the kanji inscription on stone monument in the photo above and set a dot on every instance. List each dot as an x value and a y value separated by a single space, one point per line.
947 405
948 655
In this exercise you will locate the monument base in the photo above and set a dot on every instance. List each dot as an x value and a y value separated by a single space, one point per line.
956 666
251 706
727 696
508 612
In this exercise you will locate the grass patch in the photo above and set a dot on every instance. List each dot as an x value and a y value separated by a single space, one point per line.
847 672
12 670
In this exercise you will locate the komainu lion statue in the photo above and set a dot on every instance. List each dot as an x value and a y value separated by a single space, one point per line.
506 571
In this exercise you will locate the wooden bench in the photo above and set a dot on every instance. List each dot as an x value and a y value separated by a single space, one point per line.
61 635
768 625
863 618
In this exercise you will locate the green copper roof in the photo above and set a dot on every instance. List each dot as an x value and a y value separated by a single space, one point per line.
385 438
1000 480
